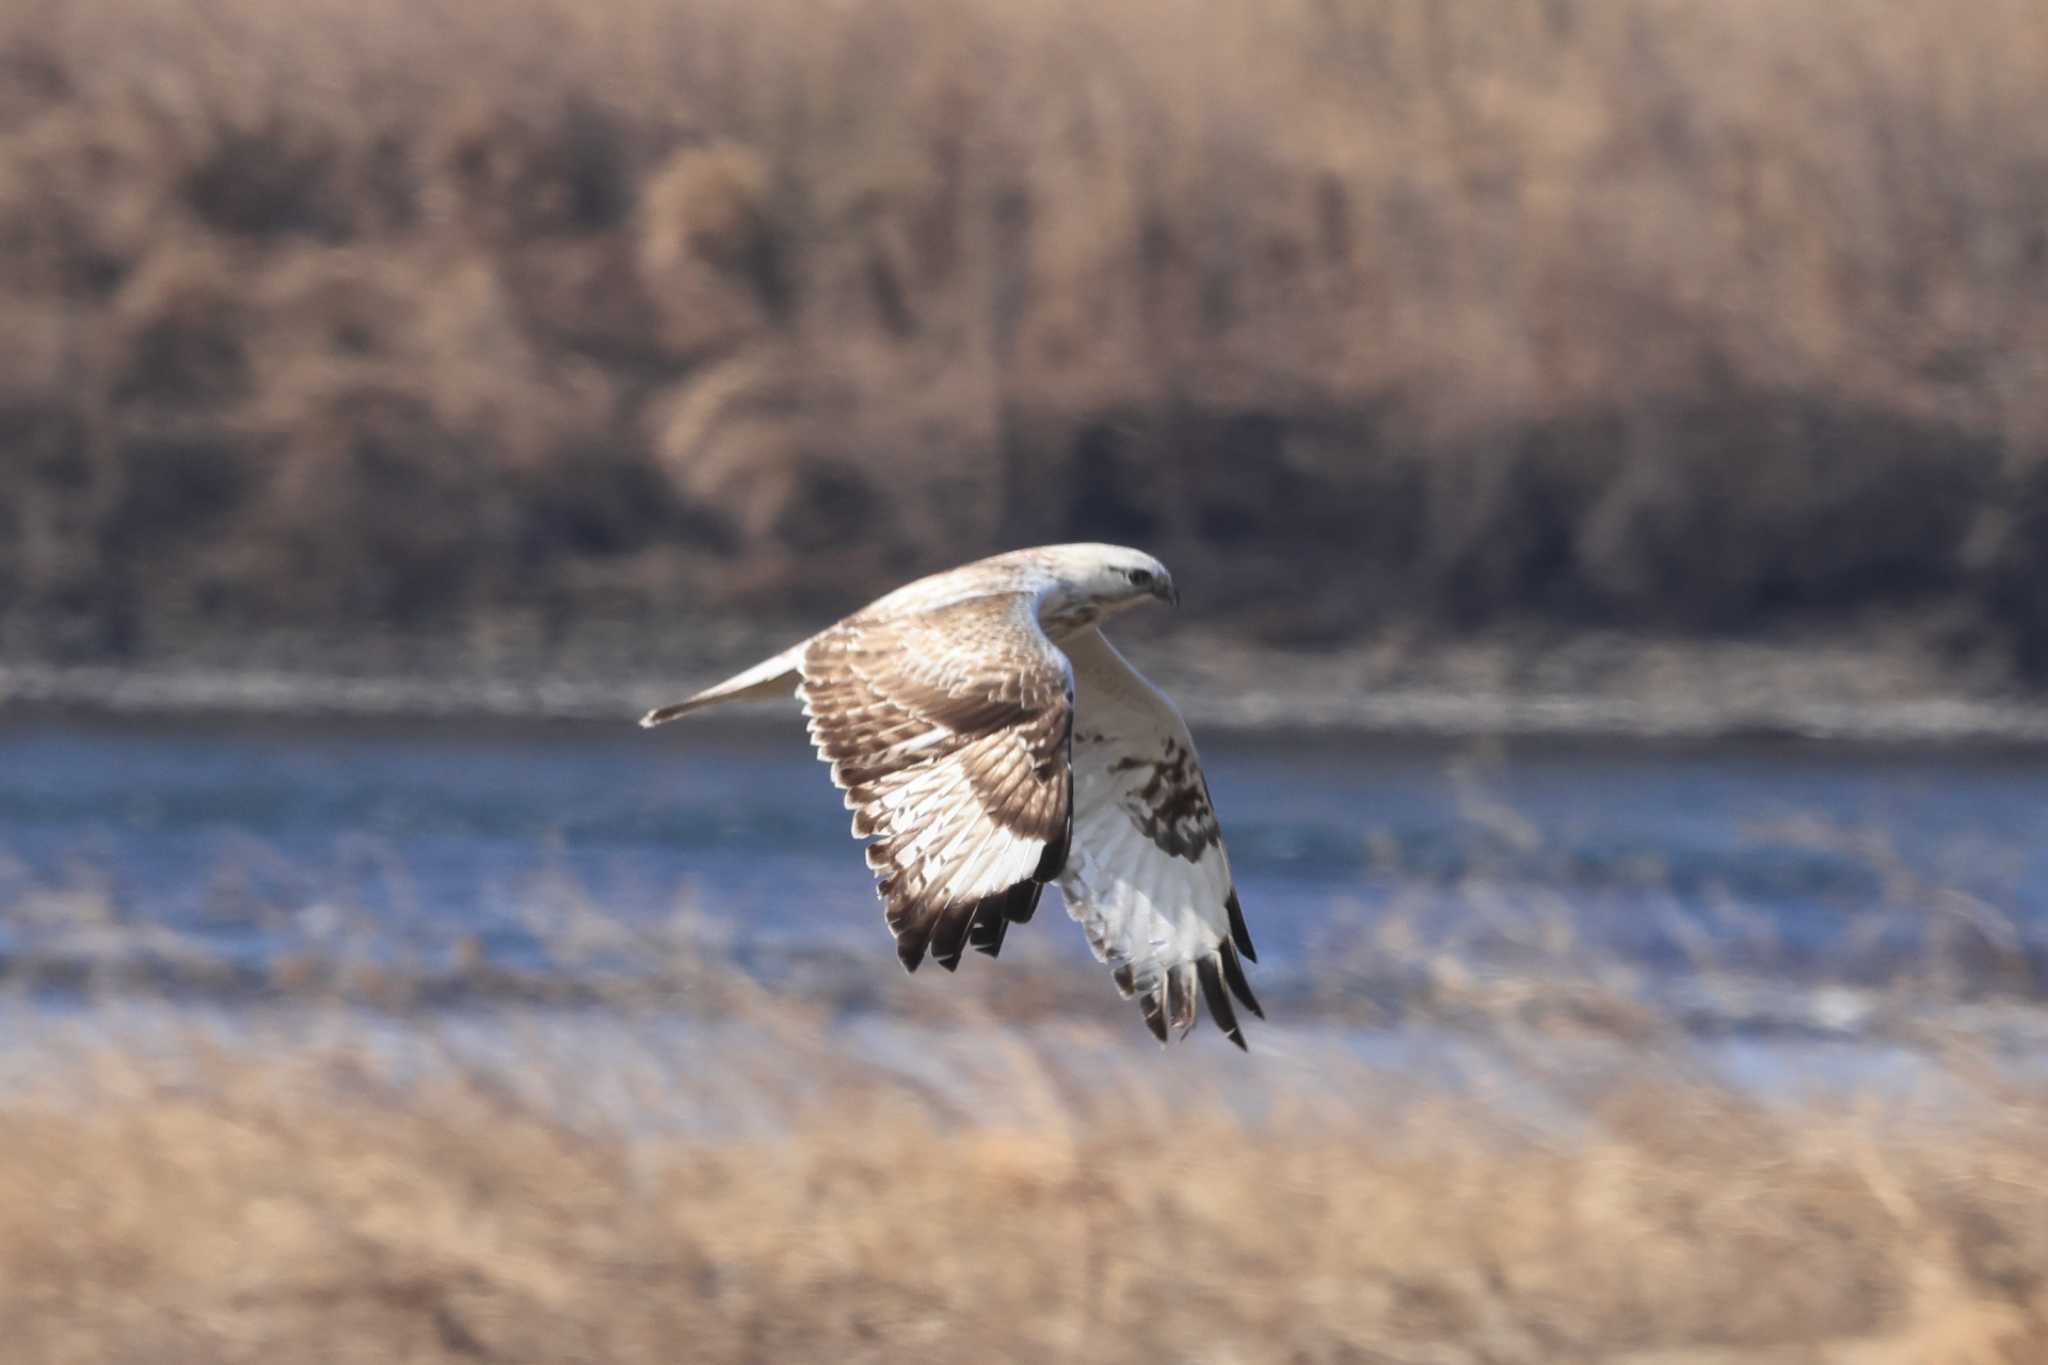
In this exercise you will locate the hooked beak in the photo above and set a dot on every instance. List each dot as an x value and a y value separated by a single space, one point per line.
1166 592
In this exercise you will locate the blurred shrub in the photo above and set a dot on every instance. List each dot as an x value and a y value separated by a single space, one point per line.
1631 314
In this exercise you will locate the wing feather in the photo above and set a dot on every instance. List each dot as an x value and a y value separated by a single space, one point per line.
1147 876
949 729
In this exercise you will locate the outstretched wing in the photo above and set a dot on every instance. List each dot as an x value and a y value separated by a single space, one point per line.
949 730
1147 876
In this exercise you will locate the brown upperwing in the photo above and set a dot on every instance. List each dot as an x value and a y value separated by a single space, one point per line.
950 731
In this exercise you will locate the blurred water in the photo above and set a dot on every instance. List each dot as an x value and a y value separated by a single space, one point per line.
207 853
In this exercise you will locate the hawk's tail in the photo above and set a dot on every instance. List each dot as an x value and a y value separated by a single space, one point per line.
774 677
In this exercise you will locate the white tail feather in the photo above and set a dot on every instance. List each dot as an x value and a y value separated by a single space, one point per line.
774 677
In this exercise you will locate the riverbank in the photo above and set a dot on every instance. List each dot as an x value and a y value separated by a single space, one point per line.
1889 684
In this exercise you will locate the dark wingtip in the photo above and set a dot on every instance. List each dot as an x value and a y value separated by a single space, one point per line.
949 931
994 915
912 927
1022 901
1239 934
1154 1011
1233 974
986 933
1219 1002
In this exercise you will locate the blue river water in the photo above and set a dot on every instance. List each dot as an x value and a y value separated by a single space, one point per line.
206 856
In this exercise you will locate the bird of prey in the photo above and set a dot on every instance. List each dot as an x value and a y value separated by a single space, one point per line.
990 740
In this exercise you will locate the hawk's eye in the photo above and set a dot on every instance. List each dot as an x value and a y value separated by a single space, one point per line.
1139 577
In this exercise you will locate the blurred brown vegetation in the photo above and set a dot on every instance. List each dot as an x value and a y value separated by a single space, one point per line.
306 1206
1635 313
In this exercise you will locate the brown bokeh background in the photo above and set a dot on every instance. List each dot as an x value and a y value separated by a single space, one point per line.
431 319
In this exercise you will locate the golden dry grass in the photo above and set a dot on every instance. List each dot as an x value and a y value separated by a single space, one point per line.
1632 311
698 1164
229 1206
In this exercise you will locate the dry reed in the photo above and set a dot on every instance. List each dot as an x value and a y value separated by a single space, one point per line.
222 1205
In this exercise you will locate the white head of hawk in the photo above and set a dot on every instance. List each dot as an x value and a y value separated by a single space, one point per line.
990 740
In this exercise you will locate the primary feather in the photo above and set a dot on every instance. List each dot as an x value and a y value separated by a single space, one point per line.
990 740
1148 878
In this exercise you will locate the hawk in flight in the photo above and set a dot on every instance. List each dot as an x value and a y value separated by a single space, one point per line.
990 740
